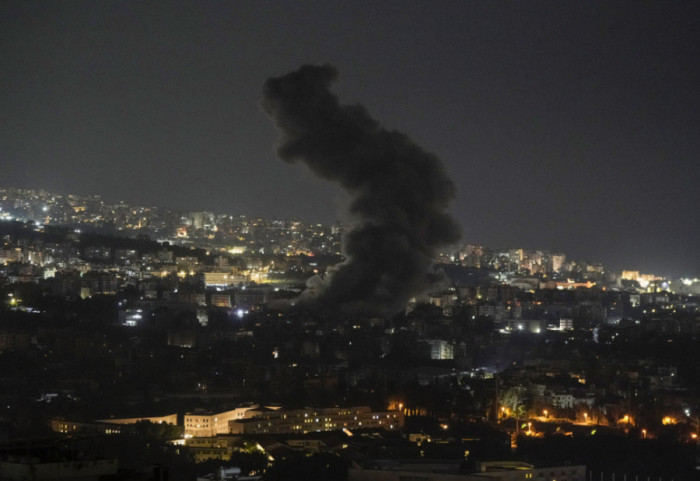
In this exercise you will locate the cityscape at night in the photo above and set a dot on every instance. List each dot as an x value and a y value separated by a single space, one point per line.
118 319
349 241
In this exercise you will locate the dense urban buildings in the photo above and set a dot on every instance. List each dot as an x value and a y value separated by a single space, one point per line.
175 338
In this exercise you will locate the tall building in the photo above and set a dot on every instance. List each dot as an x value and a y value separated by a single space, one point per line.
198 220
558 261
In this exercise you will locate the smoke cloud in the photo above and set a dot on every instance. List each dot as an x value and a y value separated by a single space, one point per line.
399 193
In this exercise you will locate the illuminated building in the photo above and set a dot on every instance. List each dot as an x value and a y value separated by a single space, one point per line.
311 420
221 300
167 419
215 447
630 275
221 280
106 426
198 220
204 425
566 323
440 349
558 261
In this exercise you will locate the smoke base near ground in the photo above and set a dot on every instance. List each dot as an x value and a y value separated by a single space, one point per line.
399 193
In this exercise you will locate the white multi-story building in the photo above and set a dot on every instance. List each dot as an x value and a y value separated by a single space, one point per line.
209 424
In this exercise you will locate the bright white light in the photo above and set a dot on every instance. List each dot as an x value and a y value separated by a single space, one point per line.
240 313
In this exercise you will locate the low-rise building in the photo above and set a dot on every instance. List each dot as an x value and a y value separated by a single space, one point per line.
311 420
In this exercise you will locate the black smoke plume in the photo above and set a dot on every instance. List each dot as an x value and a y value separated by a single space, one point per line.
400 193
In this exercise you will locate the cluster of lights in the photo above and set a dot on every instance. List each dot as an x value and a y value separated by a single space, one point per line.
13 301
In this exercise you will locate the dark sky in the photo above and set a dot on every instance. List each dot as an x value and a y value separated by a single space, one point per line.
572 126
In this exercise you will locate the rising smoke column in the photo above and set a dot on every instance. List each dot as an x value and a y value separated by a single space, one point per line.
400 193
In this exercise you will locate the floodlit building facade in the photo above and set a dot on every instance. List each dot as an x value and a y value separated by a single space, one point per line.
203 425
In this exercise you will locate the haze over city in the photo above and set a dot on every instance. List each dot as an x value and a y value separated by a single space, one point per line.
564 125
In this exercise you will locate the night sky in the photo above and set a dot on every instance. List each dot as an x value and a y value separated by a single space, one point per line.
571 126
